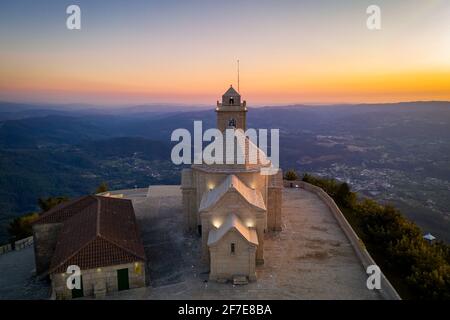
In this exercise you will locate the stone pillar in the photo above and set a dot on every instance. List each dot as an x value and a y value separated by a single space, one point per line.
205 233
252 265
274 201
258 255
189 200
212 265
274 209
190 216
45 238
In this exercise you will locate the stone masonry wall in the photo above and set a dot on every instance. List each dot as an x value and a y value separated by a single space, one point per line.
45 238
225 265
99 282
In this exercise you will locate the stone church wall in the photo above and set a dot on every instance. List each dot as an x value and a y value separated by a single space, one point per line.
225 265
248 215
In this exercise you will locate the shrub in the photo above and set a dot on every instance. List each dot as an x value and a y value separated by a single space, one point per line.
20 227
103 187
291 175
47 203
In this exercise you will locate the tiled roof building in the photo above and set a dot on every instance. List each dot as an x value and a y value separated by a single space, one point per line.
93 233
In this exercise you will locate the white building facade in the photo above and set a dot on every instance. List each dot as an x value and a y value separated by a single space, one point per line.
232 206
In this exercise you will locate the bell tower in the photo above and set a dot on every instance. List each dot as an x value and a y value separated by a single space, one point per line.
231 112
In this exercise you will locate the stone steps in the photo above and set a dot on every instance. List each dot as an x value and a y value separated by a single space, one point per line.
240 280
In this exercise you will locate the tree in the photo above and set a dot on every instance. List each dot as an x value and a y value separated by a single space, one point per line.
291 175
20 227
344 196
47 203
103 187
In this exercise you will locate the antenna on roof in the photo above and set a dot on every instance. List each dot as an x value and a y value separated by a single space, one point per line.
238 74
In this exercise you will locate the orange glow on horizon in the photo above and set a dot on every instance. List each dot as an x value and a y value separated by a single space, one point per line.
278 89
158 52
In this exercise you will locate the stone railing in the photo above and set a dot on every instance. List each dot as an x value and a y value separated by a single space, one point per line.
5 248
18 245
23 243
387 291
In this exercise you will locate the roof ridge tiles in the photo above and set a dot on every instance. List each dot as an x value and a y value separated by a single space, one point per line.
99 204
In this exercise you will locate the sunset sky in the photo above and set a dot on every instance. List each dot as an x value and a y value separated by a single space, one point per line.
133 52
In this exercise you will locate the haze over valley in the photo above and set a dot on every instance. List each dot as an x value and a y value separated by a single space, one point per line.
397 153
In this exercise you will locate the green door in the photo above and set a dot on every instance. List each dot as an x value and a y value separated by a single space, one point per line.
122 279
78 293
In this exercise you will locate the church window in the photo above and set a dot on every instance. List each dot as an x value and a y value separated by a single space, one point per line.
232 123
231 101
233 248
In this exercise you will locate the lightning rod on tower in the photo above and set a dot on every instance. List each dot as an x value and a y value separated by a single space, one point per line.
238 74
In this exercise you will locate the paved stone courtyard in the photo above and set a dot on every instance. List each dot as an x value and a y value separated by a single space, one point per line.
17 280
310 259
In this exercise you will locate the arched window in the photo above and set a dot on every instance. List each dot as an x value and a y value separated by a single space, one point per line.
231 101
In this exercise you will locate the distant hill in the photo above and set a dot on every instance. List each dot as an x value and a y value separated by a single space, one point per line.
127 147
397 153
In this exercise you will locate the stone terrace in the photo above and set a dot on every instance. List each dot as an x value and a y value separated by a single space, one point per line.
310 259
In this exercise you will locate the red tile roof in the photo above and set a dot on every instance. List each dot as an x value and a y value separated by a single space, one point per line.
65 210
100 232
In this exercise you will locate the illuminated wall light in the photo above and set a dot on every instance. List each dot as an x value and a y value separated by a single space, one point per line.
137 268
216 223
99 270
250 223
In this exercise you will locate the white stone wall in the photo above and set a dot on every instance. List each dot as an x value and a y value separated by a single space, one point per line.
250 216
225 265
204 181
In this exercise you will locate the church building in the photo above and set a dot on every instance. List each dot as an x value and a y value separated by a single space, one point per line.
233 205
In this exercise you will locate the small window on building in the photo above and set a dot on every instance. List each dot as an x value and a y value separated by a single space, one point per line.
231 101
233 248
232 123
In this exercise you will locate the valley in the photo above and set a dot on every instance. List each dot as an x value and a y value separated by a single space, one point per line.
395 153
